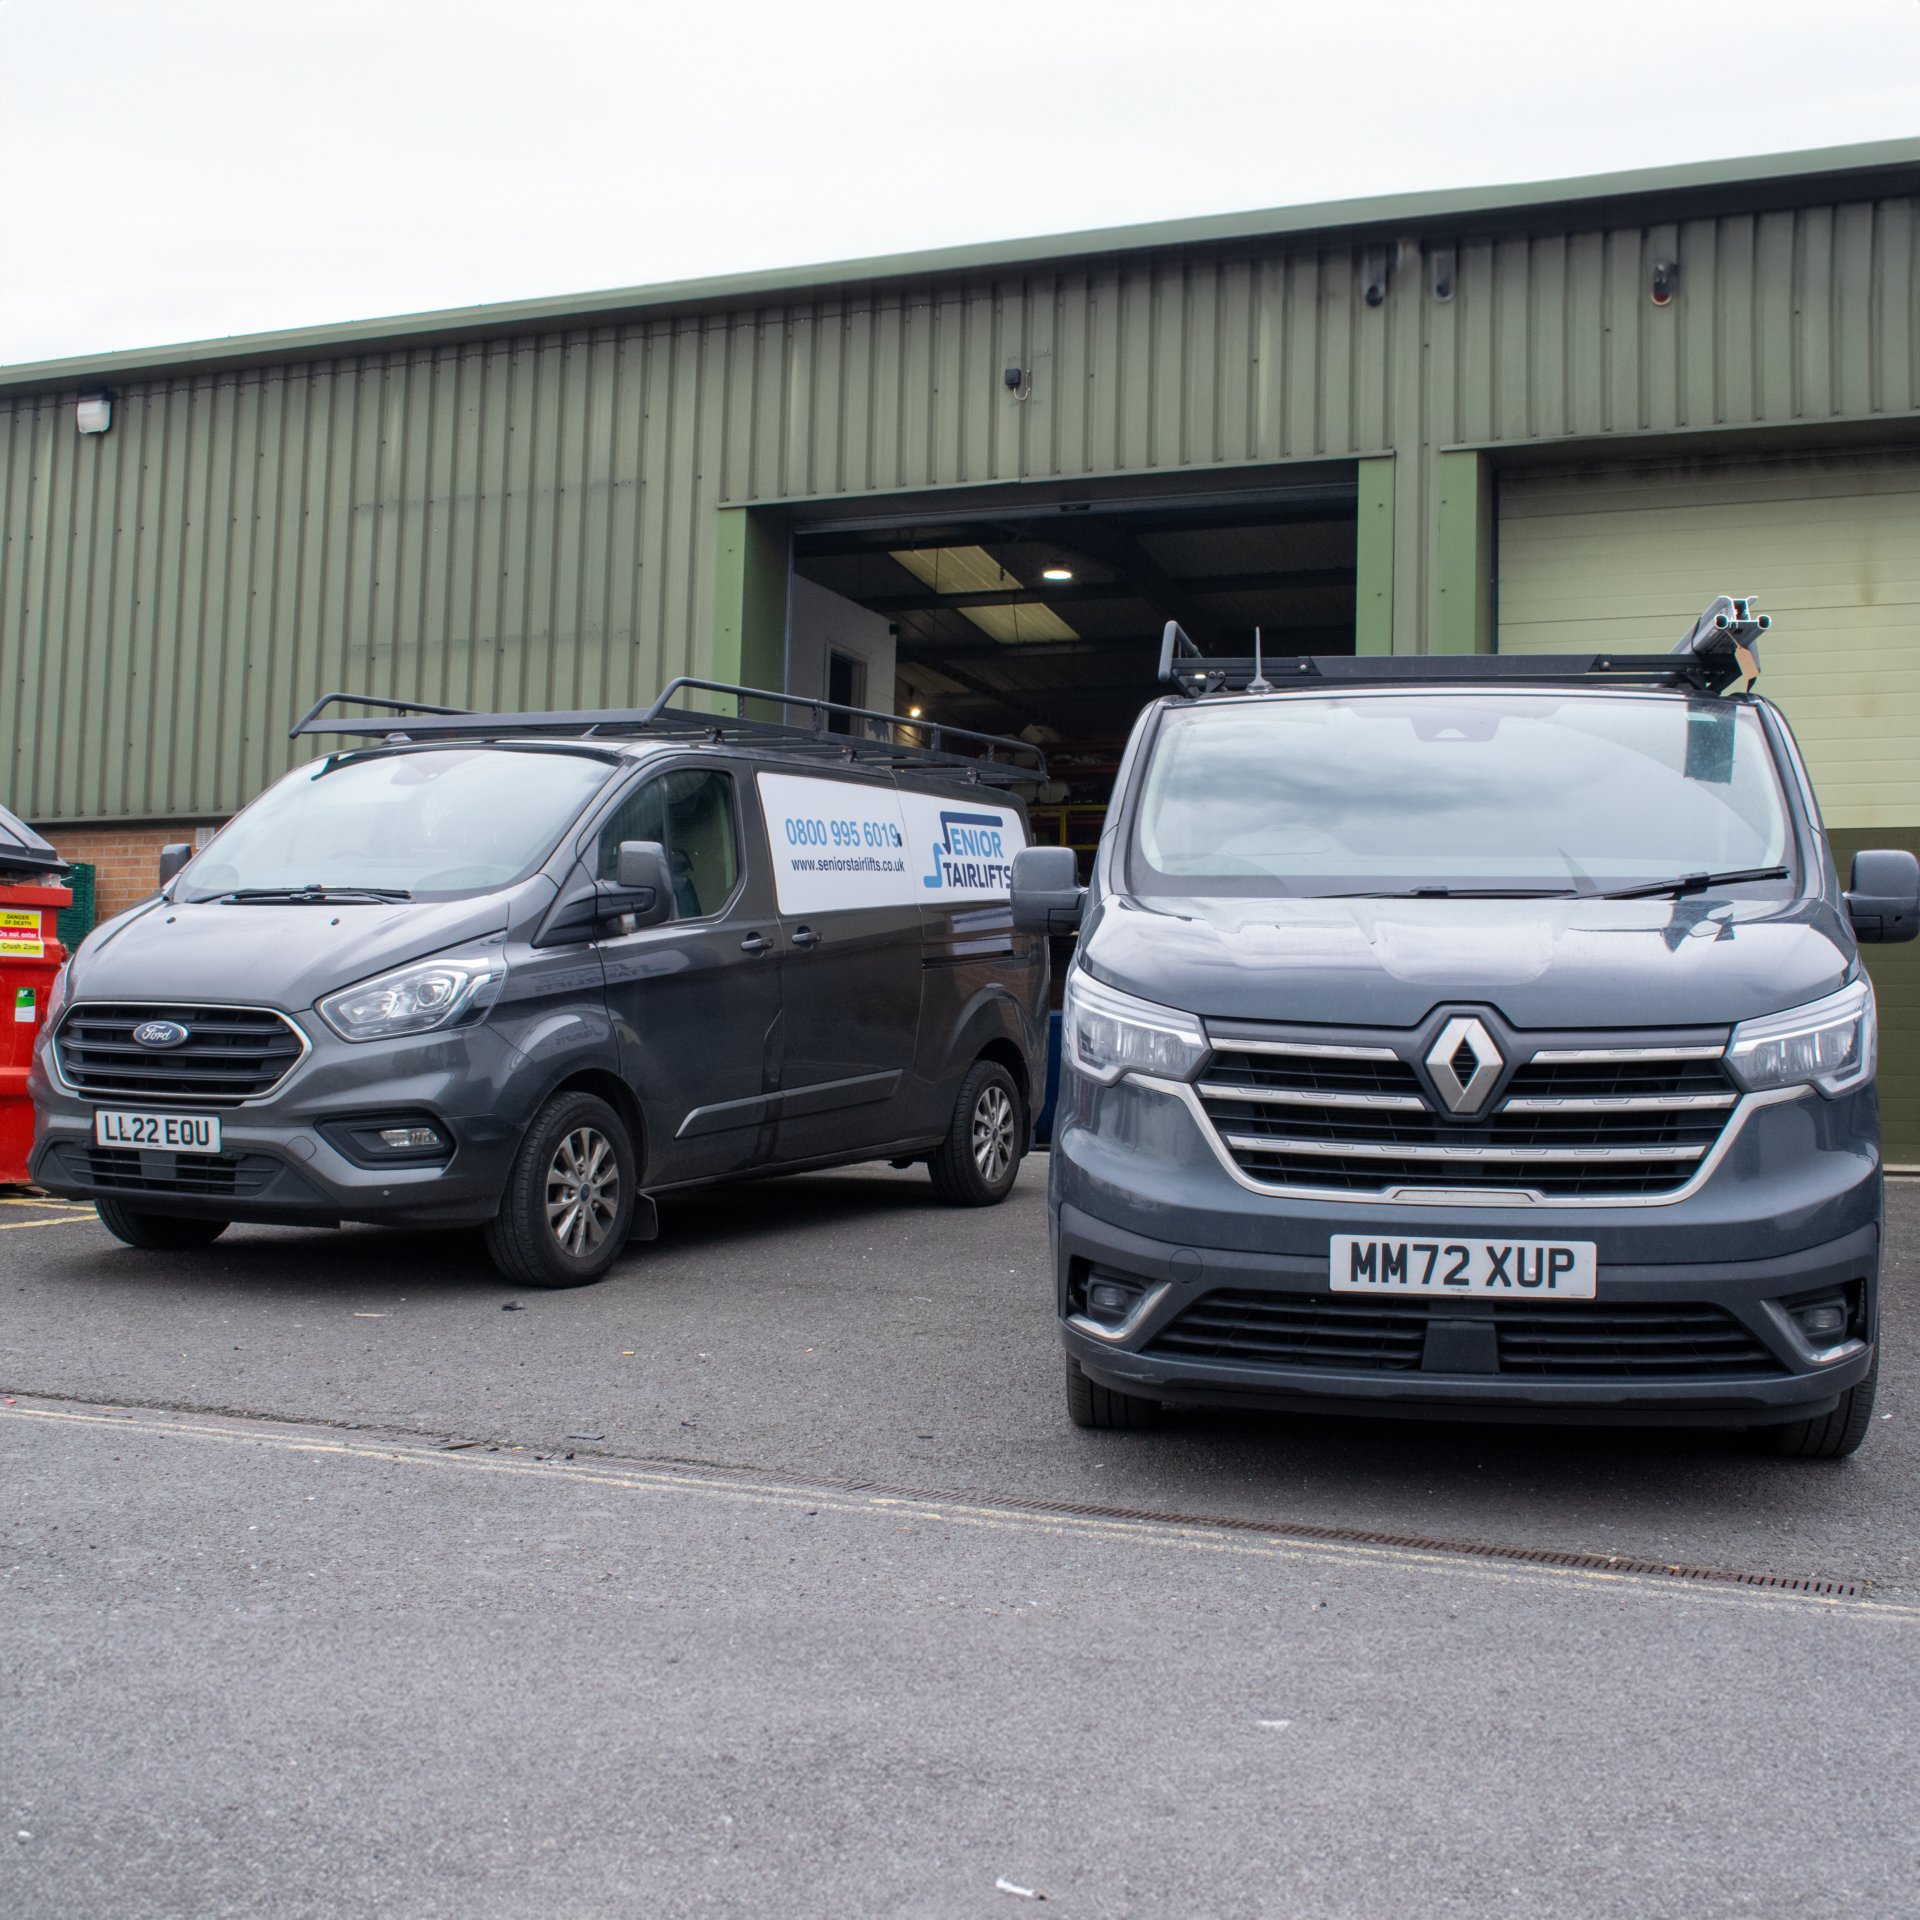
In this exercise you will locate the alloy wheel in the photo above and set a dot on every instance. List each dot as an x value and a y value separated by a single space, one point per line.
992 1132
583 1190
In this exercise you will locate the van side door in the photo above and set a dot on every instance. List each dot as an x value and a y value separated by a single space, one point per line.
851 974
695 1000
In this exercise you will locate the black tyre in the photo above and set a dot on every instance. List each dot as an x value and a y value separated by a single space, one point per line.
157 1232
975 1165
1828 1436
564 1217
1091 1405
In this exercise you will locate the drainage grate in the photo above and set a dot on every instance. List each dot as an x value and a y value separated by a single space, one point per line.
1570 1558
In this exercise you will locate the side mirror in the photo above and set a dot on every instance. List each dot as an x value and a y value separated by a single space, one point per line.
643 887
173 857
1884 901
1047 894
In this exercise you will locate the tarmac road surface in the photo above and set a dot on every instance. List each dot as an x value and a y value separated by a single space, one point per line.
802 1627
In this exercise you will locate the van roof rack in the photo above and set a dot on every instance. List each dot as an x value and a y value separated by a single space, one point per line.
984 759
1721 646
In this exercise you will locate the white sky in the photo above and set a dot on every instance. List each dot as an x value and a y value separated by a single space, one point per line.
179 169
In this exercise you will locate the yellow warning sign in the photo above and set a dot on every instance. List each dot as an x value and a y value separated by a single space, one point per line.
20 934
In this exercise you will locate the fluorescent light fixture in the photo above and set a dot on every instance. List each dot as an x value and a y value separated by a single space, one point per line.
93 412
1056 573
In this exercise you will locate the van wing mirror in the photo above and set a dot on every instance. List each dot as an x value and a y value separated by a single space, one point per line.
643 885
1884 901
1047 894
173 857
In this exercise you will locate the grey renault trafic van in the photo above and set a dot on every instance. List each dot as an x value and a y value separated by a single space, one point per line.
526 971
1472 1036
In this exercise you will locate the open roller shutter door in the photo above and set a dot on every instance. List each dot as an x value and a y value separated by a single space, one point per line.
1625 557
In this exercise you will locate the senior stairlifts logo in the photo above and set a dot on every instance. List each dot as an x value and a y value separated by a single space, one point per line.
971 853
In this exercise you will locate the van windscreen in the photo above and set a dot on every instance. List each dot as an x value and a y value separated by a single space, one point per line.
435 823
1475 792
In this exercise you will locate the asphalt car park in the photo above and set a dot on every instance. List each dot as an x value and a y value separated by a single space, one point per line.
769 1570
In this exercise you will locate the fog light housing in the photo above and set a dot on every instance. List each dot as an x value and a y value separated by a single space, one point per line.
1110 1300
1823 1323
391 1139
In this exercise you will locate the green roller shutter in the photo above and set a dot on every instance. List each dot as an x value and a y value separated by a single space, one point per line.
1624 557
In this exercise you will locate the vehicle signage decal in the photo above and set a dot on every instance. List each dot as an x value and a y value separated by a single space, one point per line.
840 843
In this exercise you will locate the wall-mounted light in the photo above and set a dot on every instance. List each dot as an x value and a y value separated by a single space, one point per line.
913 713
93 412
1666 276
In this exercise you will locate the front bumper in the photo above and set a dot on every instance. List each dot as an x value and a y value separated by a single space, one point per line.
286 1158
1792 1208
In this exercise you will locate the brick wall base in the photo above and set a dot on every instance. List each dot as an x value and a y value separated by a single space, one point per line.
125 859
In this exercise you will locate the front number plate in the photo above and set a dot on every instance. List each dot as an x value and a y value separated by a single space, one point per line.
1497 1269
165 1132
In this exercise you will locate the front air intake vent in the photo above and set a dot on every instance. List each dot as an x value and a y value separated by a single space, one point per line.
230 1054
1577 1122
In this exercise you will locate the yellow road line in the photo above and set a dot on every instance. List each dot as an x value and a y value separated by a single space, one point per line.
1181 1536
59 1220
23 1200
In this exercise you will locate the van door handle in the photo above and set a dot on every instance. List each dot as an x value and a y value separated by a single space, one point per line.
805 937
755 943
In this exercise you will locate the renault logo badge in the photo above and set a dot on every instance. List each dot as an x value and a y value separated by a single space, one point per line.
1464 1063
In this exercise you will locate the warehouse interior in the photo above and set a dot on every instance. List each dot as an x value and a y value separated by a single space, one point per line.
1046 622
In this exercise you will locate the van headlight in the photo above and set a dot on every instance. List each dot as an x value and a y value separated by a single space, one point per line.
1828 1044
1109 1033
416 999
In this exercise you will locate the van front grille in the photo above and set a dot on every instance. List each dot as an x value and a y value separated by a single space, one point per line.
230 1053
1572 1340
1572 1123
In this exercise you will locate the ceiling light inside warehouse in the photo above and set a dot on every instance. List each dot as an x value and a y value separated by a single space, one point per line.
975 570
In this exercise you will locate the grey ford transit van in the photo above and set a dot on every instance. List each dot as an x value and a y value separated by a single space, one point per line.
1482 1037
527 970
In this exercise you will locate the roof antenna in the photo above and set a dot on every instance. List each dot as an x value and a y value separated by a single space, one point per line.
1259 683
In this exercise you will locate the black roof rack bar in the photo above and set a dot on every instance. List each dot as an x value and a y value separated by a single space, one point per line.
1721 646
990 759
305 723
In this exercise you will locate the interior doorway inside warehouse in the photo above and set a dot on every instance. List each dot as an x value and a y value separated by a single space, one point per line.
1044 619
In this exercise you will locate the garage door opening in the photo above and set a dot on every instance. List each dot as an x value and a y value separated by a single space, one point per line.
1046 623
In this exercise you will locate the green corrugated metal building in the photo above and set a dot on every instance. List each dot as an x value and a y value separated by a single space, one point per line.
1513 417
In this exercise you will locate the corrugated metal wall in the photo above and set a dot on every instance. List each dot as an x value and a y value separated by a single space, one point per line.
533 521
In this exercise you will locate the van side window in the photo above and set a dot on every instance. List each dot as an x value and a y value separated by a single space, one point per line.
693 815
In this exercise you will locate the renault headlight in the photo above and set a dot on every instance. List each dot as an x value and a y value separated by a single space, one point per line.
1827 1044
416 999
1109 1033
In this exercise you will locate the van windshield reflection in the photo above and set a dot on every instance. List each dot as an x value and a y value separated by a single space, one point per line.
1484 794
434 823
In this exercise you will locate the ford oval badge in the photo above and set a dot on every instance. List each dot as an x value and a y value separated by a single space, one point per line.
160 1033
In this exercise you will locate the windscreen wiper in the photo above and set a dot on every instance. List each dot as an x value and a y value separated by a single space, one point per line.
313 894
1457 893
1695 883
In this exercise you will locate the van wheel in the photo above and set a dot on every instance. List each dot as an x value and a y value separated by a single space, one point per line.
569 1200
1089 1404
157 1232
975 1165
1828 1436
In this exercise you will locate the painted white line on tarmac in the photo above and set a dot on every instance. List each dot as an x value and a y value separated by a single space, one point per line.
982 1515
